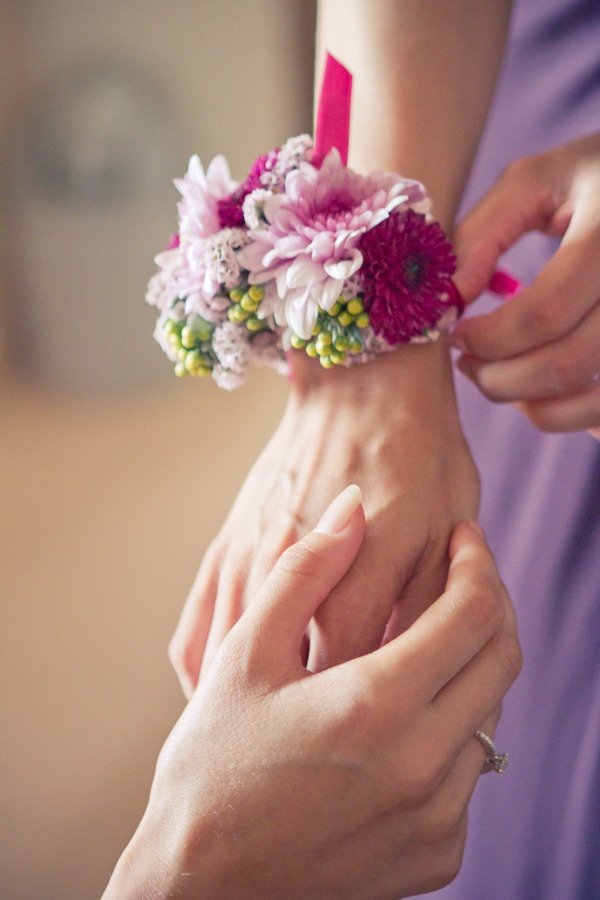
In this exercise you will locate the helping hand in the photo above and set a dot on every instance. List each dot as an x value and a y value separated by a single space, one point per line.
391 427
350 782
541 350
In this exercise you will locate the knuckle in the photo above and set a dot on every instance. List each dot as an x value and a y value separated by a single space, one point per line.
445 821
565 372
510 656
542 416
518 170
528 172
357 711
545 320
449 864
178 652
448 855
301 559
484 606
213 558
426 776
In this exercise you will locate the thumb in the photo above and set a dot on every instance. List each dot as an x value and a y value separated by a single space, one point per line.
303 578
512 207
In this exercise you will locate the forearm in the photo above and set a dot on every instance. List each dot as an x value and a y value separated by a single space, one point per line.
423 78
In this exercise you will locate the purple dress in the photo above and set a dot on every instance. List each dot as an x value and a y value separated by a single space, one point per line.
534 832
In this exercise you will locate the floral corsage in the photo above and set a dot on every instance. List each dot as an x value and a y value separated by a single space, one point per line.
303 254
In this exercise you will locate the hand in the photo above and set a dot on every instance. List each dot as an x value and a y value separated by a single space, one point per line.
353 782
541 350
391 427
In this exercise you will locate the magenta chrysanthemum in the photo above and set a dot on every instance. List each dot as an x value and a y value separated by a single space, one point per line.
407 266
230 208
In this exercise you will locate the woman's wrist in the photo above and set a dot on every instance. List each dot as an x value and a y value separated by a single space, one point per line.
416 380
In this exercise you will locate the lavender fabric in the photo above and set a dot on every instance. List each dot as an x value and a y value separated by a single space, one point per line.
534 832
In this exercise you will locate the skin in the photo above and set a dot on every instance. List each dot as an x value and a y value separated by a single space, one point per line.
390 426
352 782
541 350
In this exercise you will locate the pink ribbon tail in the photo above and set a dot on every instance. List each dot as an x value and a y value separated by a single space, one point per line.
332 127
503 284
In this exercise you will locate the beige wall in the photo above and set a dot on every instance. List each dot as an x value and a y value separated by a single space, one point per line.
111 488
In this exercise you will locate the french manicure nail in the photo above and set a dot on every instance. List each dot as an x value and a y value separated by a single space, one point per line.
340 511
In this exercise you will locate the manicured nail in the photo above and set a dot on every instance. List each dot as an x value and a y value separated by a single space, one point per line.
340 511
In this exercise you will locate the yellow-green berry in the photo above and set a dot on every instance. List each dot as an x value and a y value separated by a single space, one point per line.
335 309
237 314
311 350
344 318
170 327
256 293
248 303
338 358
193 361
297 342
342 342
180 370
204 330
236 295
362 320
188 337
326 362
354 306
253 324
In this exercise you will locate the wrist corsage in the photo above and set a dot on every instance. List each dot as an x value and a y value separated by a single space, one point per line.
303 254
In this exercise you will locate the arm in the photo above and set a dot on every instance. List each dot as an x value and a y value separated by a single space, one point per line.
279 783
541 350
423 75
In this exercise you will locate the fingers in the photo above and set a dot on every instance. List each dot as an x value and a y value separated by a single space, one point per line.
575 413
557 193
353 619
564 292
303 578
515 205
455 628
466 701
562 367
189 639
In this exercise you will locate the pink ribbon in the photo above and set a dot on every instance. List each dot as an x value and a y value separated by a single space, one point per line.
333 112
332 129
504 285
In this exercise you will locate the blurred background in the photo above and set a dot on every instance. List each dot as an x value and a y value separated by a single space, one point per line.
114 475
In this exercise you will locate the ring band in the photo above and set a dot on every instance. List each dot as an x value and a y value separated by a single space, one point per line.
497 761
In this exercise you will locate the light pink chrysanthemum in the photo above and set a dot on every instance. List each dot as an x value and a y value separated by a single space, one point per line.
163 288
199 220
309 241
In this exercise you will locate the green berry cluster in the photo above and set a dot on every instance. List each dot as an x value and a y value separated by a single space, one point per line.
337 333
244 305
191 341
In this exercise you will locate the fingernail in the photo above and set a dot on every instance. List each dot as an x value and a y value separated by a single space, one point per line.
476 527
340 511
